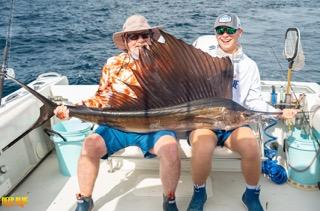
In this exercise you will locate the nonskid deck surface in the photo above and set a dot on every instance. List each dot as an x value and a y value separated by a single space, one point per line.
128 189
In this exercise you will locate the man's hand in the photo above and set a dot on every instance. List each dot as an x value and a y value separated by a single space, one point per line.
289 113
79 103
62 112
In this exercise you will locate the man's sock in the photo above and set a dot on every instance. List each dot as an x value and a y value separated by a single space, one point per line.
252 187
199 186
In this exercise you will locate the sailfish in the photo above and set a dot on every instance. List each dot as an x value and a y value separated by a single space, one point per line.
181 88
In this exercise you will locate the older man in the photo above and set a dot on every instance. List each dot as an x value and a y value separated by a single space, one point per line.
116 74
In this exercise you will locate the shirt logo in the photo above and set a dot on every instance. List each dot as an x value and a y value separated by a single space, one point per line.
235 84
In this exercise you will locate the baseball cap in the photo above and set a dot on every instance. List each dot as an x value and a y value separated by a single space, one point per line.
230 20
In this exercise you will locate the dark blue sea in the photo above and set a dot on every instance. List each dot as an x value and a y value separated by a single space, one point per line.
74 37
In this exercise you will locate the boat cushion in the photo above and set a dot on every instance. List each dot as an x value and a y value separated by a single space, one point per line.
185 152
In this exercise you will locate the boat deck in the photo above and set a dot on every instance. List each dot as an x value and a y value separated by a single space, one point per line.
131 188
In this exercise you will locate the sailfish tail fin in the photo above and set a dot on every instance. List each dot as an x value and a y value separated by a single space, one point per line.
46 111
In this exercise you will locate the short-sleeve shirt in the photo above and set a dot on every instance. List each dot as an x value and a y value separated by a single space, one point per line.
116 74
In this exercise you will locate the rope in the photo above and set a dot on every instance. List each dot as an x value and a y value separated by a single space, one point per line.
270 167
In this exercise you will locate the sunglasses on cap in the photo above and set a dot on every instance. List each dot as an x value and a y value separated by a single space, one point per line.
222 29
135 36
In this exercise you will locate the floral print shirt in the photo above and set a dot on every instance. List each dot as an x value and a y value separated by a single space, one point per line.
115 73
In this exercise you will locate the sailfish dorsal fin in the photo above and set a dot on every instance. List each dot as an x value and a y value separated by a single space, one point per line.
175 72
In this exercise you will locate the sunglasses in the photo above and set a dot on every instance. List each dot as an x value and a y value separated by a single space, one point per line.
222 29
136 36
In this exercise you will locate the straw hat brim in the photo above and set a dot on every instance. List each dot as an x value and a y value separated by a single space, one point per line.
118 36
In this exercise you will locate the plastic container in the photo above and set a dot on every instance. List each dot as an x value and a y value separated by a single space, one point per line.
68 137
303 160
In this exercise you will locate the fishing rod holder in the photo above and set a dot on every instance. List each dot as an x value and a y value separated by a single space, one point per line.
281 100
3 72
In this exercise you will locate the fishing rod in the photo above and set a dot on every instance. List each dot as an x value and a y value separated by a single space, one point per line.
6 50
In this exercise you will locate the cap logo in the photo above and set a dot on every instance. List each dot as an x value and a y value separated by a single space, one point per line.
225 19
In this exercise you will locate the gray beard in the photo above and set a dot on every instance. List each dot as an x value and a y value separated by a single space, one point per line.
134 55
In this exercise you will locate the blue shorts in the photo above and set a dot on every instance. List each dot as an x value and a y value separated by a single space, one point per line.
116 140
222 135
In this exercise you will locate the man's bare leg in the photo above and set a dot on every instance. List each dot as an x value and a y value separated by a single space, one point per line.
203 142
167 150
243 141
88 165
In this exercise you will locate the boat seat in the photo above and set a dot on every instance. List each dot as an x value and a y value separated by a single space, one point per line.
185 148
185 151
224 158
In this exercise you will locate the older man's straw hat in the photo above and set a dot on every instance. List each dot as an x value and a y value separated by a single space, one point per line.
135 23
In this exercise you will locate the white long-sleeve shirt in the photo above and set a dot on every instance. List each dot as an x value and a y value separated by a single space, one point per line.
246 87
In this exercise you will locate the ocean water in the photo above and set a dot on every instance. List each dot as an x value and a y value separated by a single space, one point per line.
74 37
